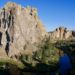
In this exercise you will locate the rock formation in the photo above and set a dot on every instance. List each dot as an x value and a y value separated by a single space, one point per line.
61 33
20 29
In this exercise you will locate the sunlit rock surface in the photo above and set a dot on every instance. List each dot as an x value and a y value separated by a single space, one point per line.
20 29
61 33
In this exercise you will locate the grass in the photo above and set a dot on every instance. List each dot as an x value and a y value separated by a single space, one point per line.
17 63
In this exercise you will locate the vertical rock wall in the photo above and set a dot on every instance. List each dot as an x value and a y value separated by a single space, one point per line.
21 29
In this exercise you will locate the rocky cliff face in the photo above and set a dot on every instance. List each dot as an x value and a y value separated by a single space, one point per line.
20 29
61 33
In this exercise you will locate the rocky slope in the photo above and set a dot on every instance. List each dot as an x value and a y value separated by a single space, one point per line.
20 29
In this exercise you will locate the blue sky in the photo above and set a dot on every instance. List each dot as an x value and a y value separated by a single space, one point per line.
53 13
